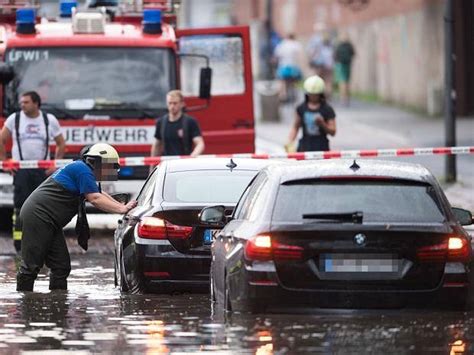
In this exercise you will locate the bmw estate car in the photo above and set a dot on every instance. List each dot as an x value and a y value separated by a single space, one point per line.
340 233
158 246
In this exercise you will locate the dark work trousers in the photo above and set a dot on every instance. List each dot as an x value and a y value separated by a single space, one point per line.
43 215
47 247
25 182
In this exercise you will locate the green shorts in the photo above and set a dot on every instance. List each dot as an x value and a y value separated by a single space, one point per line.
342 72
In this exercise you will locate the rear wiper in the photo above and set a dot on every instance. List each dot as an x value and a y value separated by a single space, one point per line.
353 217
56 110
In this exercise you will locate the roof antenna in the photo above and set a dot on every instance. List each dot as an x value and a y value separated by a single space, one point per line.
231 165
354 167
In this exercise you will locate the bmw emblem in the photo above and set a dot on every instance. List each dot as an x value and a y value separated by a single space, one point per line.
359 239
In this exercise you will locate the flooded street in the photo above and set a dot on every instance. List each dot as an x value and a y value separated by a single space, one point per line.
92 316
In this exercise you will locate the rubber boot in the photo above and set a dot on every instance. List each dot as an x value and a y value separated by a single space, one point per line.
24 282
16 230
57 284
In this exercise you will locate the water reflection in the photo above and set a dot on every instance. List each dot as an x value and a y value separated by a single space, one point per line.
264 336
457 347
93 316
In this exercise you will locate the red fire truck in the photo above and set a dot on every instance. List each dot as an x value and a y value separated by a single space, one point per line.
104 73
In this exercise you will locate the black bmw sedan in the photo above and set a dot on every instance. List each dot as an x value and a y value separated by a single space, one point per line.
158 246
340 234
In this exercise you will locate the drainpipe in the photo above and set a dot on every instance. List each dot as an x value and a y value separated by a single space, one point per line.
450 92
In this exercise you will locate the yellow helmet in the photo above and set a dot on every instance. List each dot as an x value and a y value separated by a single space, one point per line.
314 85
103 150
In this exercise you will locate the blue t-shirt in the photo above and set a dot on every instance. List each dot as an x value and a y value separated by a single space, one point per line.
76 177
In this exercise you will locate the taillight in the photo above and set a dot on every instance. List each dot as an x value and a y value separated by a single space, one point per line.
287 252
459 249
454 249
175 231
262 248
259 248
157 228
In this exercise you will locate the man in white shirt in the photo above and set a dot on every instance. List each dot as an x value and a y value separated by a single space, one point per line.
31 131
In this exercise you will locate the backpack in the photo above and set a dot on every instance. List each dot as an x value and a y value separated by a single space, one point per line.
17 128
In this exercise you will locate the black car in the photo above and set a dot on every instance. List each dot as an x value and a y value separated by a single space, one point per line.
340 233
158 246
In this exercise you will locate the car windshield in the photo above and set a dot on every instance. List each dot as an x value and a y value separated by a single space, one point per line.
377 202
206 186
72 81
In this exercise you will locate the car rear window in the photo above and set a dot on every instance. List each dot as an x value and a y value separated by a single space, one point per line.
386 202
209 186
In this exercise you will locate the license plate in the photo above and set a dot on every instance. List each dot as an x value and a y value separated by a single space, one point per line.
356 263
210 235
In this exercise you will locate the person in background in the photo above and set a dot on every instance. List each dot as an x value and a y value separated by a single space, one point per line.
343 56
288 55
177 133
31 131
321 56
54 203
315 116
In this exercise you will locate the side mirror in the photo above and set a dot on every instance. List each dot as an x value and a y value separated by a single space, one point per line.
6 73
205 83
463 216
122 198
213 216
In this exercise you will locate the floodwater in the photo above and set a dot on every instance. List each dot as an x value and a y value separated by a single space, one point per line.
92 316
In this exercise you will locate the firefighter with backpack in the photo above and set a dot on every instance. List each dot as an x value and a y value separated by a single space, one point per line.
177 133
31 131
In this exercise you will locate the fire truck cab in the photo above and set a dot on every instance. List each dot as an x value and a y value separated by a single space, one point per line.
104 73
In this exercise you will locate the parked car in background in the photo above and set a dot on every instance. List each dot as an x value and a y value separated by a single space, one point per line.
158 245
340 233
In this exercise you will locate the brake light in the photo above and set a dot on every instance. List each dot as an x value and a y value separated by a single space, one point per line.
459 249
455 243
454 249
152 228
259 248
263 248
157 228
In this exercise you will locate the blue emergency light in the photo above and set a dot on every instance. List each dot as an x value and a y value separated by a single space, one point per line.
126 171
152 21
65 8
25 21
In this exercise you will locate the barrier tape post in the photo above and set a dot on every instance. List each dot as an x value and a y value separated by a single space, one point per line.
353 154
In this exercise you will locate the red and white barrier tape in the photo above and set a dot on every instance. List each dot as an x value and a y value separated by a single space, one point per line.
333 154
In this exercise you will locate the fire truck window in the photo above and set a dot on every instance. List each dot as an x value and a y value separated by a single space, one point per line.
127 80
226 60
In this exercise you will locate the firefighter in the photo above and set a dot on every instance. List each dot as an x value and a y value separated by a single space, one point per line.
56 201
31 130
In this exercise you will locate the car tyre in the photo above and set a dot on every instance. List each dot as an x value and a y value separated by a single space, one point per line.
460 303
212 287
122 282
227 303
115 269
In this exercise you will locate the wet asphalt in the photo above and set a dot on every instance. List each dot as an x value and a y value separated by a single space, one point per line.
92 316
